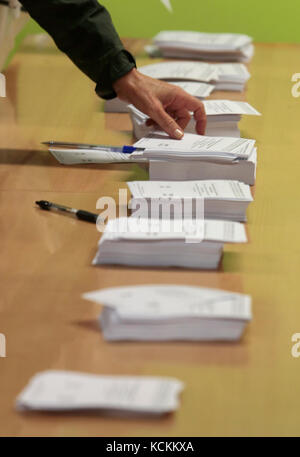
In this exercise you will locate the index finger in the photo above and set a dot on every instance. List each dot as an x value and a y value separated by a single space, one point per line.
197 108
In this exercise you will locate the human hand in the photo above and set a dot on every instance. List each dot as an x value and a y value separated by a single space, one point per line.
167 105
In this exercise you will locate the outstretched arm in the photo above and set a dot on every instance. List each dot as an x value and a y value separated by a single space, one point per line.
83 30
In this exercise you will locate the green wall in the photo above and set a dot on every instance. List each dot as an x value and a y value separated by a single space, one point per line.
265 20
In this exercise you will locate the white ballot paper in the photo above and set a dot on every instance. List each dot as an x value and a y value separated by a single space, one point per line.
158 145
223 117
66 390
206 46
69 156
231 76
244 55
225 200
223 76
228 108
187 243
221 125
196 89
203 41
232 71
181 71
171 312
174 170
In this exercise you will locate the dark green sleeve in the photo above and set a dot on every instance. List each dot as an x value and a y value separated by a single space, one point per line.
84 31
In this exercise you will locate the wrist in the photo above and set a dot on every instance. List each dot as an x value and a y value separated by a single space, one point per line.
127 83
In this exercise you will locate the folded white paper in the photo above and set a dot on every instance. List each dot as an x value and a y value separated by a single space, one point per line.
163 242
231 76
227 127
181 71
129 228
228 108
223 76
63 390
69 156
206 46
196 89
244 55
175 170
158 145
171 312
223 117
225 200
204 41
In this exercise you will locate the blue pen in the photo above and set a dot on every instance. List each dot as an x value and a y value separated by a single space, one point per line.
125 149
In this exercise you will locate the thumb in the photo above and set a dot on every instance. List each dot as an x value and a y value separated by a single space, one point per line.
166 122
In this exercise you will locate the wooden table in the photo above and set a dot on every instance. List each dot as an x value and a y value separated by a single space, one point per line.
248 388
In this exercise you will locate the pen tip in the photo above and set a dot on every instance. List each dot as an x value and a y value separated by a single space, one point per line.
43 204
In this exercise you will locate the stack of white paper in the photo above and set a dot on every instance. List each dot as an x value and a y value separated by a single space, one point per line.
225 148
192 158
159 146
196 89
70 391
164 243
243 170
231 76
223 117
169 163
181 71
225 200
224 76
231 47
171 312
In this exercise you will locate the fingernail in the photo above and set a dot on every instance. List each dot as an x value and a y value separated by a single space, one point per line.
178 133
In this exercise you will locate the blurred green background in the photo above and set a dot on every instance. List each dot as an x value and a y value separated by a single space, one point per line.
264 20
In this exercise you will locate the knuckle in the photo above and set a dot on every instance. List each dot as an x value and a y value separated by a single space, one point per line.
179 91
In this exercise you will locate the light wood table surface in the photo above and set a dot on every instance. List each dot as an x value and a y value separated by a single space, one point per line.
248 388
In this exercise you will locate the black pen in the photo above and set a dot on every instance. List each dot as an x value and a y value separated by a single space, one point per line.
79 213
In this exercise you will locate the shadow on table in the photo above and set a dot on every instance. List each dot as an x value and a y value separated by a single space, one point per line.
99 413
